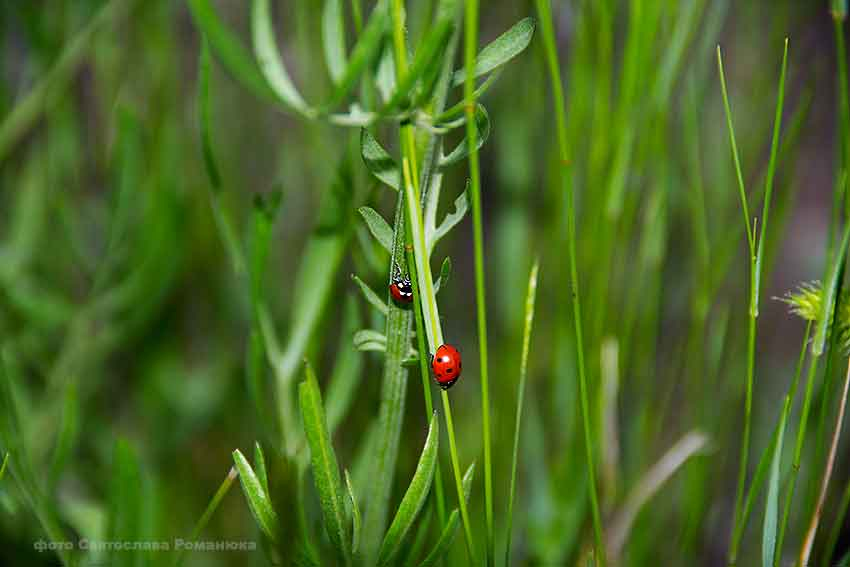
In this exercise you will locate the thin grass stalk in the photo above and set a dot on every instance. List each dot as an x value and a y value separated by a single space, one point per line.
470 48
423 367
523 378
756 254
738 534
551 51
798 450
837 524
435 337
809 540
210 510
408 142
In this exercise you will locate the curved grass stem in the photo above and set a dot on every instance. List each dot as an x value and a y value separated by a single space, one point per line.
548 33
470 48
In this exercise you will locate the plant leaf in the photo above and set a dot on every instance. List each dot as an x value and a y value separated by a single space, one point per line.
364 51
482 123
447 536
414 498
445 272
771 507
258 500
385 77
830 289
326 477
333 38
371 296
126 499
355 515
347 369
378 161
501 50
379 227
260 464
428 57
367 339
233 55
270 62
449 222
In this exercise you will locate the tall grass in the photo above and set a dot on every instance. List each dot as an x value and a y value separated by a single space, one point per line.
205 203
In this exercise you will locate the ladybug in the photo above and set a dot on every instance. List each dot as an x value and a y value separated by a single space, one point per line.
401 289
447 366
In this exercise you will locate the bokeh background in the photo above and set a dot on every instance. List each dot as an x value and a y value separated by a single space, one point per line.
125 330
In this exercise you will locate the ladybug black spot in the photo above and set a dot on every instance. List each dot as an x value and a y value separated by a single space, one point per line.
448 370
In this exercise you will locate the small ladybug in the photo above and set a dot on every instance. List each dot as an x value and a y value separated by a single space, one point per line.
447 366
401 289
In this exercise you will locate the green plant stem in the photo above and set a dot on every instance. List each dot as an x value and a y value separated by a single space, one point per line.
435 337
210 510
408 141
837 524
423 367
547 31
470 49
523 378
798 450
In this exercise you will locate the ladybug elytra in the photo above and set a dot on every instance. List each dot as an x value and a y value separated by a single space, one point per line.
401 289
447 366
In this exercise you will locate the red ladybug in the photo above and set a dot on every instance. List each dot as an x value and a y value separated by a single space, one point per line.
447 366
401 289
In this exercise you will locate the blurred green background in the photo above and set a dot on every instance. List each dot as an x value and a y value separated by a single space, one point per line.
126 334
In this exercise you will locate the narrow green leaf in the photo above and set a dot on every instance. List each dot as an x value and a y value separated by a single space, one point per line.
229 50
333 38
449 222
371 296
447 536
355 515
326 477
125 502
385 77
223 489
222 220
315 279
482 123
414 550
368 339
69 431
3 466
379 227
530 299
270 62
828 305
771 508
258 500
260 465
456 111
428 57
445 272
378 161
347 371
366 49
501 50
414 498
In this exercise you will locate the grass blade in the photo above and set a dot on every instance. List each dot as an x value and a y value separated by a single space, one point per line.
233 55
523 377
125 502
447 536
355 515
445 273
379 227
326 475
830 291
414 498
771 507
500 51
333 38
260 465
219 495
258 499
